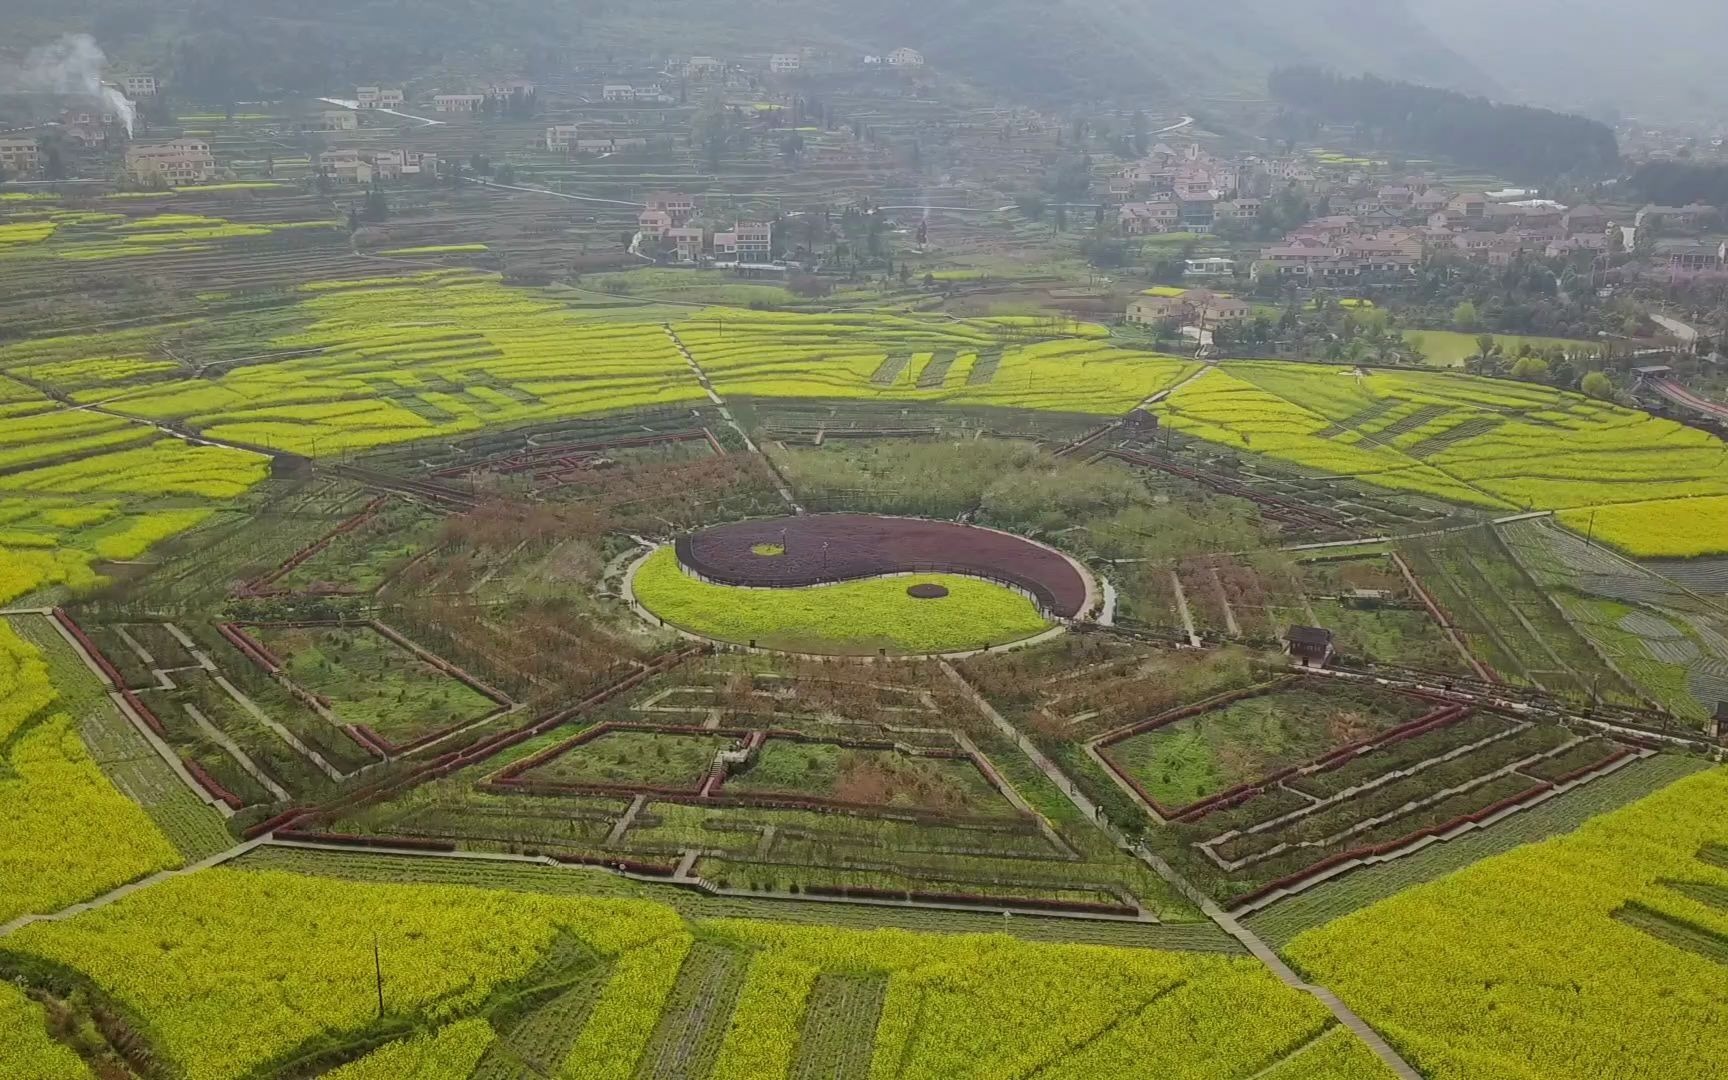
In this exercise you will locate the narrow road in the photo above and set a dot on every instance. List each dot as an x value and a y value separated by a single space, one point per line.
354 106
1251 941
1687 334
726 415
131 887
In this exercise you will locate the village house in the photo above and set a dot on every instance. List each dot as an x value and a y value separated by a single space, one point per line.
1295 258
1675 218
1433 201
1148 218
1594 243
1194 307
904 57
610 146
1310 646
182 161
1475 242
350 166
687 242
561 137
784 63
1379 217
84 129
1585 219
1532 215
337 120
458 103
701 68
1215 266
344 167
1686 260
618 92
19 155
376 97
1468 207
400 164
138 86
680 208
651 94
1197 214
1383 253
1237 210
1325 229
745 242
653 224
1395 196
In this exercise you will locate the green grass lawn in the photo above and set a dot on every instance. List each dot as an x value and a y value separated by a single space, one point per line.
637 757
1450 348
372 681
856 617
883 777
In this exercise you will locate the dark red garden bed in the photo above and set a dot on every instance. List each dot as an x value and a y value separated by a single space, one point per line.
822 548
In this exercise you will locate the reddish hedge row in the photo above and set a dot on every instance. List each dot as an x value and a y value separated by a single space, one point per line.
970 899
1391 846
440 663
1241 793
694 797
111 673
250 647
369 740
522 460
211 784
631 866
257 585
413 843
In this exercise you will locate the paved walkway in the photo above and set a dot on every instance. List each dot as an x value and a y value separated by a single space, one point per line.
726 415
128 889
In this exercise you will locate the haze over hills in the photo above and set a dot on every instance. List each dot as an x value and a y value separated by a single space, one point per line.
1065 49
1643 59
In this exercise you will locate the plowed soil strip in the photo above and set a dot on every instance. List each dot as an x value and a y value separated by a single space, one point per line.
839 1035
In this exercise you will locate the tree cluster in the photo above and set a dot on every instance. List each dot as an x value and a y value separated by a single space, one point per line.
1517 140
1678 183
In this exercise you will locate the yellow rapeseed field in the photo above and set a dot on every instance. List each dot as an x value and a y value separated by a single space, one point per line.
1522 967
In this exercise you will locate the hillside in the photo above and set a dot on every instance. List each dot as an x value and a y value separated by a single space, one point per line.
1643 60
1069 49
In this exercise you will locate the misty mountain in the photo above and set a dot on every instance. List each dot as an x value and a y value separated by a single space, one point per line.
1039 49
1661 59
1224 48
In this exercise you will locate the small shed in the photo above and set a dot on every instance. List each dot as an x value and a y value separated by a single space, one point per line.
1653 371
1142 420
1312 645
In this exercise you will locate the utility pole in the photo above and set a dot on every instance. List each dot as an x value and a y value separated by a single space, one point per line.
378 972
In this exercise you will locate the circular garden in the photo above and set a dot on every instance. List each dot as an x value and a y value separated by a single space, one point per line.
859 584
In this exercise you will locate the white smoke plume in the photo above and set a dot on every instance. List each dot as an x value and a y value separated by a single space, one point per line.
70 66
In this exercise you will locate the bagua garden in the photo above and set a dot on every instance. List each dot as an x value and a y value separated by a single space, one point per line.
420 657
